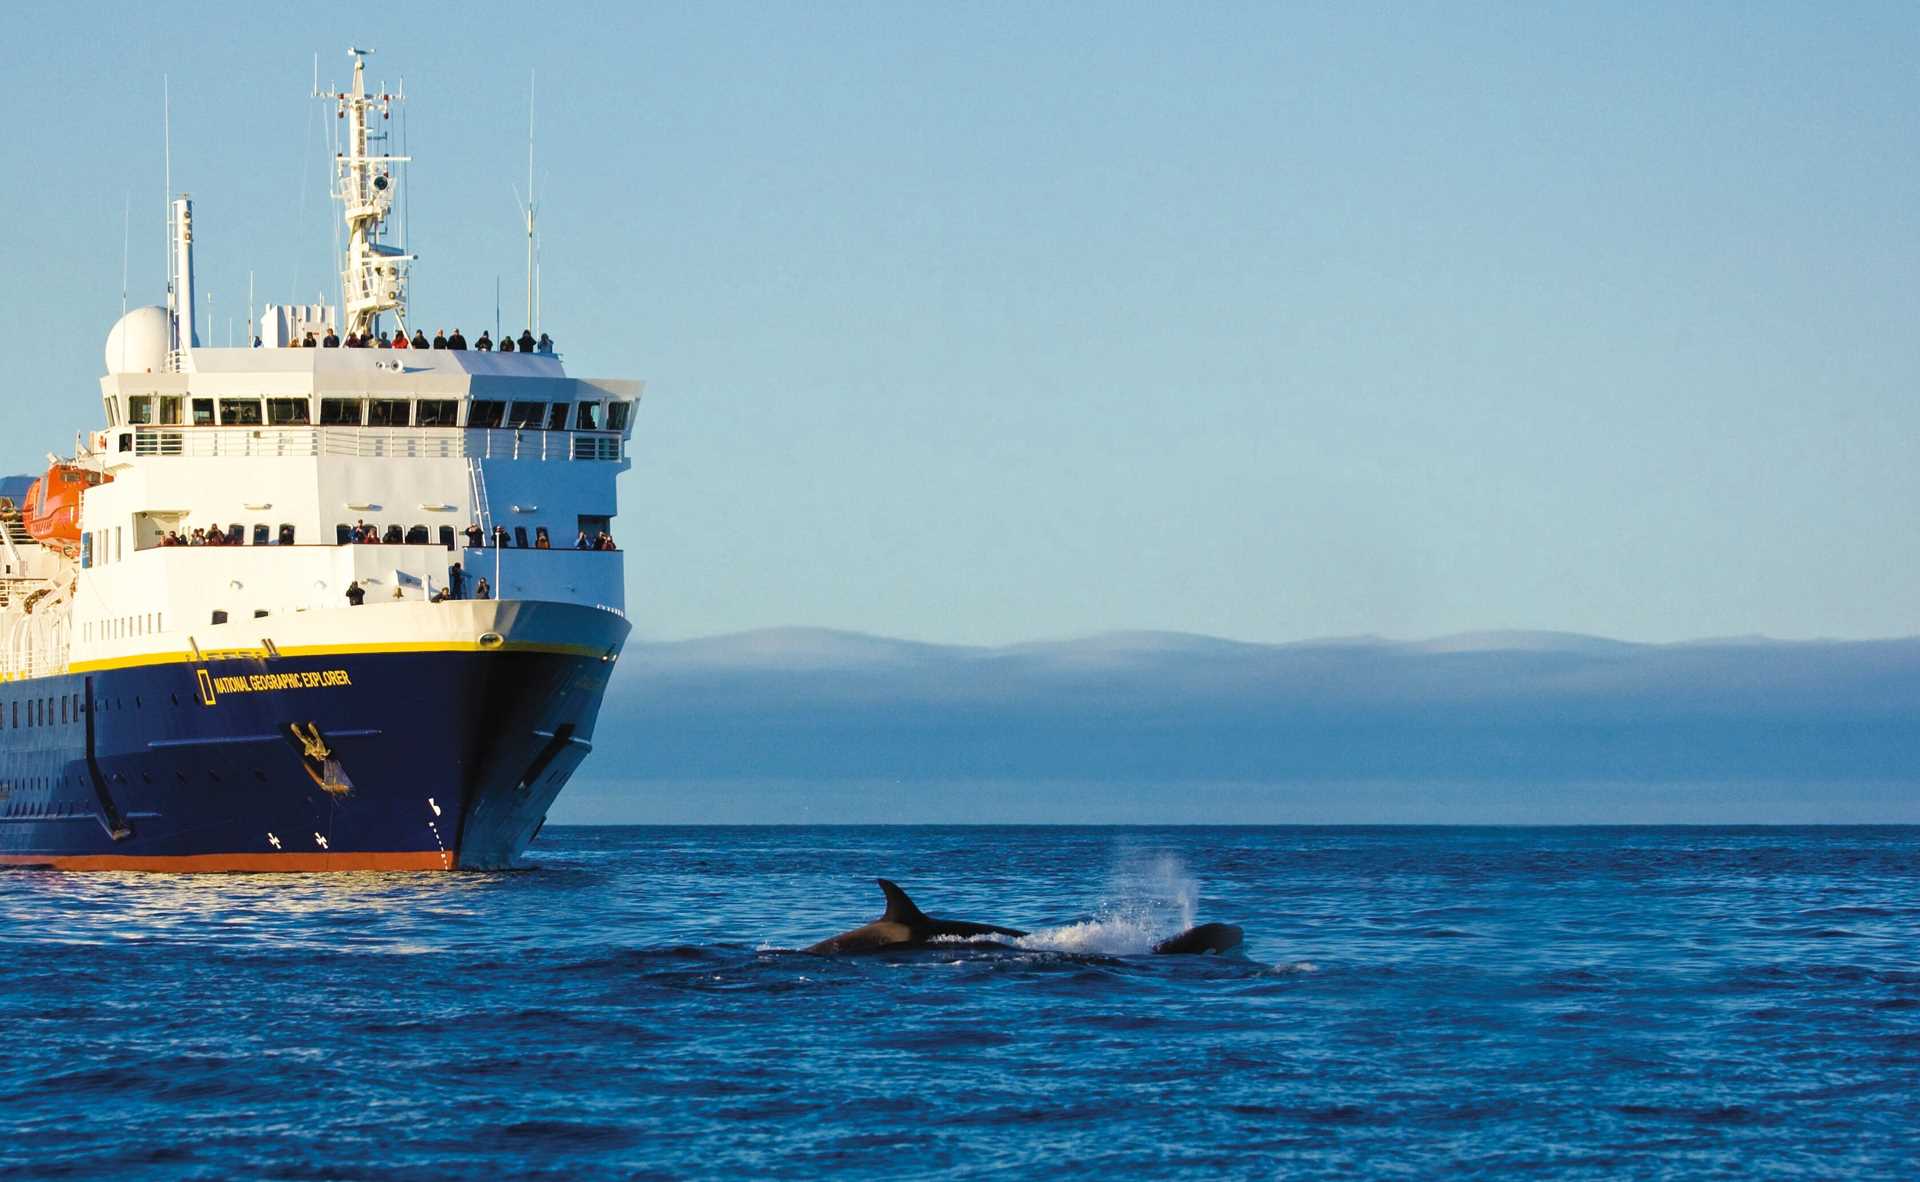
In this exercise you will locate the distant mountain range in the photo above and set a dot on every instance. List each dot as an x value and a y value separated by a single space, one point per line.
1512 712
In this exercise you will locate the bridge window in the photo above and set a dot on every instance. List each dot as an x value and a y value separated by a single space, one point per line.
438 412
557 420
203 412
170 410
617 415
240 412
140 409
113 414
588 418
288 412
340 412
388 412
526 414
484 413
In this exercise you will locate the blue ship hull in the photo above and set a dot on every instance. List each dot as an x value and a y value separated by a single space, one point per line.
434 760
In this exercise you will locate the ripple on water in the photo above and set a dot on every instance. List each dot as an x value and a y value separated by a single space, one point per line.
1411 1003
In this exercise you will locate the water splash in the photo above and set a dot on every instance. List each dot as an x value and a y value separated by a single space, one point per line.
1148 898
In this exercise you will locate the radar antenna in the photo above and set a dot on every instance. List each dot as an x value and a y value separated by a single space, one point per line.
373 279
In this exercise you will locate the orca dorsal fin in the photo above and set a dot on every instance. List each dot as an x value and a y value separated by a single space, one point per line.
900 909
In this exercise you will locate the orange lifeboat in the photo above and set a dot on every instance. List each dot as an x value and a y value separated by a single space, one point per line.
52 511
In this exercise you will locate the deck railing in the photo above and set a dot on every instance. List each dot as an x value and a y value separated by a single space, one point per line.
449 443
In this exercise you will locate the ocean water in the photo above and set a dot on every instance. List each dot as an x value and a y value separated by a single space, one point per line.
1494 1003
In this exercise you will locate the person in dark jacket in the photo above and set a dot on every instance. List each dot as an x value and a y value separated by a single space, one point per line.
439 339
456 341
420 340
485 343
356 594
526 340
457 580
330 341
308 342
506 344
481 590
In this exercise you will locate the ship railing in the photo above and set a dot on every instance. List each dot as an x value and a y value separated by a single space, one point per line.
454 443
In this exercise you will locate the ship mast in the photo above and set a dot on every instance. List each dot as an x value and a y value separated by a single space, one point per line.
373 279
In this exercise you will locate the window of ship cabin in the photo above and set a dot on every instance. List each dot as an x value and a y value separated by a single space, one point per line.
203 412
286 533
483 413
342 534
240 412
593 525
388 412
520 536
260 533
438 412
113 414
617 415
588 418
557 419
340 412
417 535
526 414
140 409
446 536
170 410
219 617
288 412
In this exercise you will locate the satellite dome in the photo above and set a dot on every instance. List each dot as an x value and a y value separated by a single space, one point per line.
138 342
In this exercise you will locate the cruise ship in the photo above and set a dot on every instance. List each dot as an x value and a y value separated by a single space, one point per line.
312 603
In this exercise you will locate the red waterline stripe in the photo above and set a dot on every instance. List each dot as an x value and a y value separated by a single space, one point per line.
218 863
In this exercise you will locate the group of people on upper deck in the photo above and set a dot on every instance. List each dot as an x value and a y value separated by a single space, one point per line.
215 535
441 340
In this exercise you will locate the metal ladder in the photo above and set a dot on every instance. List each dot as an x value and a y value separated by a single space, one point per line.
477 484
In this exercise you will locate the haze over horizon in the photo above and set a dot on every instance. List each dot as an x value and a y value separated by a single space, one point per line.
986 324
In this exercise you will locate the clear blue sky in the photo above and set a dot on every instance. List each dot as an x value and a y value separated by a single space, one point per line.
985 322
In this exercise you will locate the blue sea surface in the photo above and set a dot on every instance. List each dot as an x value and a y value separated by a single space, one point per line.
1411 1002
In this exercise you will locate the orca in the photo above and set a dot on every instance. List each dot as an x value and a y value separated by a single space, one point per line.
904 925
1197 941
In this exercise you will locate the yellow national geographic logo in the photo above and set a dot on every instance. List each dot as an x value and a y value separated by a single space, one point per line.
268 683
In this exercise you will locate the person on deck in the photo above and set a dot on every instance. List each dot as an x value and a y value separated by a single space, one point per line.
583 542
420 340
400 339
481 590
439 338
485 343
456 341
330 341
475 537
506 344
356 594
457 581
526 340
308 343
545 344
